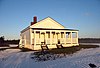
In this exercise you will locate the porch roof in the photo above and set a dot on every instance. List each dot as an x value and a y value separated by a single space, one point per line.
53 29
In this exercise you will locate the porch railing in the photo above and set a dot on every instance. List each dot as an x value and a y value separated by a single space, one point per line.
68 40
47 41
55 41
74 40
62 40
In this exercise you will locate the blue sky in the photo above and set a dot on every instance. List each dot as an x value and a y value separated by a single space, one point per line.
83 15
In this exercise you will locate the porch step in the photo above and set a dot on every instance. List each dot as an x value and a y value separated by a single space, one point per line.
44 47
59 45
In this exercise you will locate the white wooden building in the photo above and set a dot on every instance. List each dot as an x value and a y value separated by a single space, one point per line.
49 31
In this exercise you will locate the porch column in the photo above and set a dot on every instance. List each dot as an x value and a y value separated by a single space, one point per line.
50 37
40 37
77 37
45 40
25 40
56 39
60 37
31 38
34 37
71 37
64 37
20 42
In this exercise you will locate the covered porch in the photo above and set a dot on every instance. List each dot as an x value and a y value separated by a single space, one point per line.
67 37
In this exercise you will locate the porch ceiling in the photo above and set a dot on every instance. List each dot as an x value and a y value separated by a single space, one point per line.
53 29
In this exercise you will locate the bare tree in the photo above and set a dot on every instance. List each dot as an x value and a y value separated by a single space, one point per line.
2 40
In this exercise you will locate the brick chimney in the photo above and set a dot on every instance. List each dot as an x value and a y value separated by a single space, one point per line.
34 20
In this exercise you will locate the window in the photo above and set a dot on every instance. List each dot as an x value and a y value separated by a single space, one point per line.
23 37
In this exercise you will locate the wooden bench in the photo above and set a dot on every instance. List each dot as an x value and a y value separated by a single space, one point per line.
59 45
44 46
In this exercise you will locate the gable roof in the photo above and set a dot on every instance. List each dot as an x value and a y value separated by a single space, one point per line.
45 22
48 22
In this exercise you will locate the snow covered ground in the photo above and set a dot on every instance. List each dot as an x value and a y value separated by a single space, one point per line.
13 58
